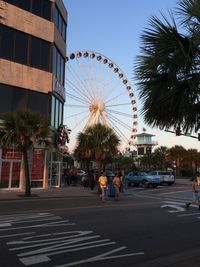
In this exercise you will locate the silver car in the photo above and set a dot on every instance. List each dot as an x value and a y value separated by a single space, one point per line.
166 177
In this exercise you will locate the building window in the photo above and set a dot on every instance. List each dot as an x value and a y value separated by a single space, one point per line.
14 46
53 100
15 98
58 66
60 23
24 4
41 8
6 43
21 47
140 151
40 54
56 112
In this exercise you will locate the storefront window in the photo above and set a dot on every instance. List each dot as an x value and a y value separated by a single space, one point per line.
37 168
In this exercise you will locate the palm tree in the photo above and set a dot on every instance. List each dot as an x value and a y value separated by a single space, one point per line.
22 130
168 70
193 158
177 154
97 143
160 156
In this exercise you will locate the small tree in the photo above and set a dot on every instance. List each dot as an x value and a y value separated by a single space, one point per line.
22 130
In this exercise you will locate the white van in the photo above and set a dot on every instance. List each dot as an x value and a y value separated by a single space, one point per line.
166 177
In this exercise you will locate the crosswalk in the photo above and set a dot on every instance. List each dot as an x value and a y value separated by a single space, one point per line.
37 238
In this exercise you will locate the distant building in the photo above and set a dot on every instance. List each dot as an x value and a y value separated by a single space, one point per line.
144 143
32 76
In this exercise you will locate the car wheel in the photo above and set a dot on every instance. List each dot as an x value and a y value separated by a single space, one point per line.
129 183
145 183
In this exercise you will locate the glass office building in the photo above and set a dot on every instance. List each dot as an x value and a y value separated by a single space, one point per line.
32 76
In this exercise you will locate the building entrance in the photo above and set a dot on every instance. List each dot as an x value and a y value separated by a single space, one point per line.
55 174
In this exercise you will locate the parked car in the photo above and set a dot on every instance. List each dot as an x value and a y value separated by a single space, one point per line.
166 177
142 178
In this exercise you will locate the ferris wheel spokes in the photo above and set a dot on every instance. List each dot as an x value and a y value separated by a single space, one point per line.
82 85
119 113
115 97
116 105
98 88
75 115
87 79
120 122
77 90
78 99
118 131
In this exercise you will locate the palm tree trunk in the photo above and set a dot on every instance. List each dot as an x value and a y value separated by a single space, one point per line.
27 175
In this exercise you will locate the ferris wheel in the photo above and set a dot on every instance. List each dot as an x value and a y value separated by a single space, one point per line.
97 91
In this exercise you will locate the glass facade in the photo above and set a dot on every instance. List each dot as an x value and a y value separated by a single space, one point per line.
60 23
56 112
15 98
41 8
58 65
25 49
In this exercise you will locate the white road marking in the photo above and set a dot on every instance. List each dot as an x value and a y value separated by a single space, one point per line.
174 192
5 224
188 214
24 216
102 257
36 249
176 206
53 224
31 260
21 234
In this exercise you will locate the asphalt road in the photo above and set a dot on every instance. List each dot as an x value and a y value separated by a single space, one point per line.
146 228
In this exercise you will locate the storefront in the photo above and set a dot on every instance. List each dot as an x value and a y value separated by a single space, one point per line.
11 171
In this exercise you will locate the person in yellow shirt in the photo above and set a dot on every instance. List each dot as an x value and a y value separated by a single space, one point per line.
102 181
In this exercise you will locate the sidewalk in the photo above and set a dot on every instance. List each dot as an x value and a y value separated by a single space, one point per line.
69 191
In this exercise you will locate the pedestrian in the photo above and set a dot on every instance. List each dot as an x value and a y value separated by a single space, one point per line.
66 177
85 180
74 177
195 192
122 182
102 181
91 179
116 183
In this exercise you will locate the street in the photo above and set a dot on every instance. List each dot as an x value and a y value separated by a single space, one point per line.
147 227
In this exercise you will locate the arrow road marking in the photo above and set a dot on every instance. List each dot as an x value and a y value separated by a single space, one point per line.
176 207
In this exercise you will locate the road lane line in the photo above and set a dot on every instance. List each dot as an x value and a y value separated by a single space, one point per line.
188 214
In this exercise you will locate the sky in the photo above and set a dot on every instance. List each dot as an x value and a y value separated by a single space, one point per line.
113 28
